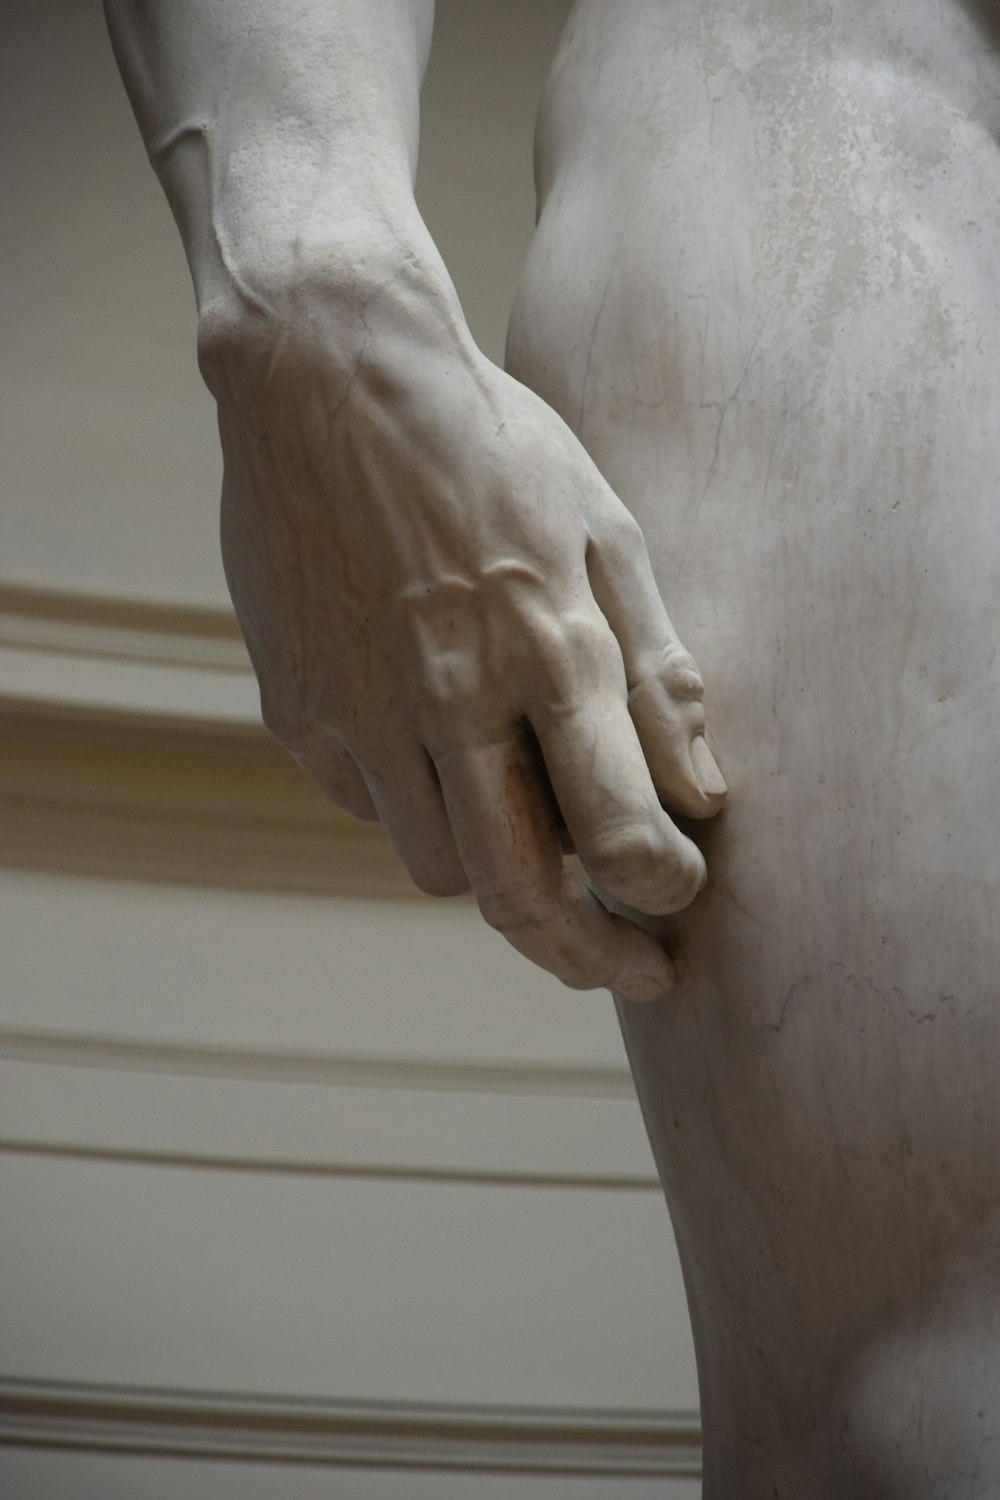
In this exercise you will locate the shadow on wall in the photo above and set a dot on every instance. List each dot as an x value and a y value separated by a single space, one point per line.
986 15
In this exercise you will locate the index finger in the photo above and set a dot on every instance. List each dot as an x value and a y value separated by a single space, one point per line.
505 831
665 690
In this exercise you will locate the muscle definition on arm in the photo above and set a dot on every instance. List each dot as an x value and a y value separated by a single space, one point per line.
434 581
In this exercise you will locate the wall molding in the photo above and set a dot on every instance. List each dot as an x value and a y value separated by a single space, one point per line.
119 629
131 745
339 1070
210 1108
402 1435
140 795
360 1171
179 660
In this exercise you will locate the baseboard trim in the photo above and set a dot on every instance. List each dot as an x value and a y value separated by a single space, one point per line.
239 1426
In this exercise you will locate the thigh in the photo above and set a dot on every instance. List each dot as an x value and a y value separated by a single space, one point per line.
803 415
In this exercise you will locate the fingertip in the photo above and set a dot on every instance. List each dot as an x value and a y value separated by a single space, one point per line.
694 786
684 770
689 879
643 988
648 974
707 773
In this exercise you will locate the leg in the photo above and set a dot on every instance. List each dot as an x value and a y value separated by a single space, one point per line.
787 369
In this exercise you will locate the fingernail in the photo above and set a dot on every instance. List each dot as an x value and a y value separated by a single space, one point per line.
644 988
706 768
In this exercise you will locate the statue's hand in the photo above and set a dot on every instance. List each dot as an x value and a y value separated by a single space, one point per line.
456 629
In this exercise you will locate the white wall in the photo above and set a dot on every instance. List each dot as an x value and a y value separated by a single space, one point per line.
295 1165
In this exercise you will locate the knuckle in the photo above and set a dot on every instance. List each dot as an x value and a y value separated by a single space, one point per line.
351 803
631 854
689 879
288 727
449 676
573 650
621 533
681 677
511 907
538 925
575 974
574 977
549 639
642 865
283 709
590 637
630 533
221 343
562 952
439 880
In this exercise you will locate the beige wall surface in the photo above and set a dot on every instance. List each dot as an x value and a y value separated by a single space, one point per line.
97 1478
310 1186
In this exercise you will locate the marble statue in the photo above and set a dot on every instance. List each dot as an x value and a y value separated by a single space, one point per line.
754 367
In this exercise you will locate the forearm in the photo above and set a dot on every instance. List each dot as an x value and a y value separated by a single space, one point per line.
285 137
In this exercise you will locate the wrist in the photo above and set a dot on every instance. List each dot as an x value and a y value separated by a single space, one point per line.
375 291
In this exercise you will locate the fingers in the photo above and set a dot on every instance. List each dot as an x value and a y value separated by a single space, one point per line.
409 805
670 722
599 775
327 761
625 840
399 791
507 839
665 689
